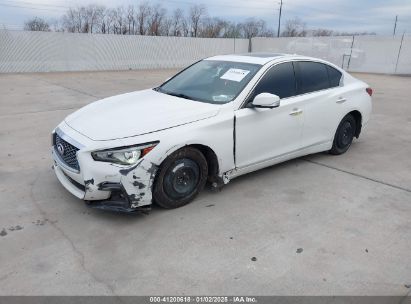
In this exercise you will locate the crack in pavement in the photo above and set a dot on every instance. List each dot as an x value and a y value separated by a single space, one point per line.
359 175
70 241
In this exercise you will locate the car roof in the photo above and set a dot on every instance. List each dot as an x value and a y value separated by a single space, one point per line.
257 57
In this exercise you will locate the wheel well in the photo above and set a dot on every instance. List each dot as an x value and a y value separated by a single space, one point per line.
358 120
212 161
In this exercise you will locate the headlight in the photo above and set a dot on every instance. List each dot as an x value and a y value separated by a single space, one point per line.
123 155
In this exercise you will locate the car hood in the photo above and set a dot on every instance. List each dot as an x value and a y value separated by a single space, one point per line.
137 113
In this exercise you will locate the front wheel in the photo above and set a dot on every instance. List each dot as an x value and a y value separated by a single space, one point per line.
181 177
344 135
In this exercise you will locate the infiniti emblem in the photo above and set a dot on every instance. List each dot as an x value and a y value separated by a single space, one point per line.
60 148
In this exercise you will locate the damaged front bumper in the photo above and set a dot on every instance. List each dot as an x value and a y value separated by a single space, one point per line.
119 200
107 186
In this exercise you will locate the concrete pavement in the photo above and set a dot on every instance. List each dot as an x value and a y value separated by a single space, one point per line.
319 225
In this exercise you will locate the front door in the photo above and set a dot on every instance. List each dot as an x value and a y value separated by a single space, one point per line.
263 134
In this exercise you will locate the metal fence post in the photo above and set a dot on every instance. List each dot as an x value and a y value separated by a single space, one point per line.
399 52
349 58
234 44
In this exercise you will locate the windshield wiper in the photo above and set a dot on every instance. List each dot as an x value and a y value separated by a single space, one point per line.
179 95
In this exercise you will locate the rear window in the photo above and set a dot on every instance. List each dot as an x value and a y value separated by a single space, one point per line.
312 76
334 76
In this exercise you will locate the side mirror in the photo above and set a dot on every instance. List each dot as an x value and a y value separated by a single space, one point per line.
266 100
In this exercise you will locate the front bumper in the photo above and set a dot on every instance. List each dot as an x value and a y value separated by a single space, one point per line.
107 186
119 200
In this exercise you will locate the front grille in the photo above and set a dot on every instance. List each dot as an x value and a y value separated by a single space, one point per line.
69 156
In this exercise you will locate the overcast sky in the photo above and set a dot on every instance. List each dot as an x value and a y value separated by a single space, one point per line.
341 15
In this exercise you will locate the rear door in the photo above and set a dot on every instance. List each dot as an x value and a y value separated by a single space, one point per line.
320 85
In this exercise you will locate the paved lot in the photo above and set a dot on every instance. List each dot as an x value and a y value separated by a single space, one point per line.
318 225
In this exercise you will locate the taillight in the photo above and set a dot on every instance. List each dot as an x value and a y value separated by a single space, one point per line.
369 91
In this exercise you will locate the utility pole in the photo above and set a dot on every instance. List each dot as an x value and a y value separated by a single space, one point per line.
279 18
395 24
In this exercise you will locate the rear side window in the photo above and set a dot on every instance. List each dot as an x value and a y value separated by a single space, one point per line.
279 80
334 76
312 76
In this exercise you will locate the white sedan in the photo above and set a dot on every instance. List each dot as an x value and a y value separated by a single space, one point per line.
219 118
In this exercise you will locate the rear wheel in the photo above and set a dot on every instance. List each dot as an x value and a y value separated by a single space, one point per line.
344 135
181 177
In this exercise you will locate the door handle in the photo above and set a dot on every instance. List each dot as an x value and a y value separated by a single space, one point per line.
296 112
341 100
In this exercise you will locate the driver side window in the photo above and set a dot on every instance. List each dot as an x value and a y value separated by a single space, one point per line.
279 80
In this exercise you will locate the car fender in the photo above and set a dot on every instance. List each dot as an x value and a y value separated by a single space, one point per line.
348 110
216 133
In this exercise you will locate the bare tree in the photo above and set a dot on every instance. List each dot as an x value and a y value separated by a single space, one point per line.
94 15
322 32
37 24
212 27
81 18
119 21
156 19
55 25
252 28
353 33
268 33
231 30
294 28
185 27
178 19
196 13
166 27
76 20
153 20
142 16
108 20
105 22
69 21
146 19
130 19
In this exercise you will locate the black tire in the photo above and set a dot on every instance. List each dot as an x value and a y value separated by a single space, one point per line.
181 176
344 135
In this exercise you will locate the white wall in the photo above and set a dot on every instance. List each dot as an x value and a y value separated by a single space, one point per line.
49 51
372 54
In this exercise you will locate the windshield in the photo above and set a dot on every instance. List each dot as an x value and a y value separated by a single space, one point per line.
210 81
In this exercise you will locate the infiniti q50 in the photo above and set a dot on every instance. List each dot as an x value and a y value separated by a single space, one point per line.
217 119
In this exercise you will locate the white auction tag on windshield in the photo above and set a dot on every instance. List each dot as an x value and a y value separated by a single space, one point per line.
235 74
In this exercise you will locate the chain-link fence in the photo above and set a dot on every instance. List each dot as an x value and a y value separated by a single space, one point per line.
50 51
